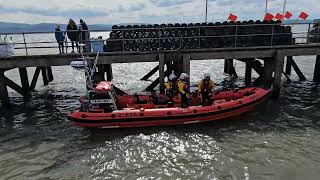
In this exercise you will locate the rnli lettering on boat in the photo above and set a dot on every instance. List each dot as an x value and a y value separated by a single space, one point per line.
100 101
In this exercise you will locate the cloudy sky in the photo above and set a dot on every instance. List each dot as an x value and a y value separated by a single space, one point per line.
144 11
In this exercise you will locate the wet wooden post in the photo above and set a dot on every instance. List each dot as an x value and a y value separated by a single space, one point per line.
4 96
228 65
100 76
108 70
24 81
248 72
161 72
45 76
316 75
279 62
35 79
50 74
268 71
186 65
288 65
297 69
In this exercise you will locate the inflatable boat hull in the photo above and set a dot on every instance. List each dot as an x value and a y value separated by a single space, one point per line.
128 118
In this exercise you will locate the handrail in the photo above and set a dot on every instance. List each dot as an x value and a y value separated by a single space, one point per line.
198 35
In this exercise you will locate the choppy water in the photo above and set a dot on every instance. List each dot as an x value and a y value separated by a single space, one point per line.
281 140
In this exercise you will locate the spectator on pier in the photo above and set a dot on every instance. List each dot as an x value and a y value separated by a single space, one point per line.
183 89
84 35
206 89
73 34
60 37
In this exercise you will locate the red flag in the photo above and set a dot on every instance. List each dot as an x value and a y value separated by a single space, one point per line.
303 15
279 16
288 15
232 17
268 17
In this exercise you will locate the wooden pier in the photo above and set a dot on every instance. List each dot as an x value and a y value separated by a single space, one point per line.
270 71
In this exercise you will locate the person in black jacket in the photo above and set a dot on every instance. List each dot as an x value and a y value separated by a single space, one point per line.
73 35
84 35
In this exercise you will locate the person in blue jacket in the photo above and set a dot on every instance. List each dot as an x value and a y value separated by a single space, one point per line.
60 37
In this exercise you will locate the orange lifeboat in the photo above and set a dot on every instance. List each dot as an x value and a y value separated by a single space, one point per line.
144 110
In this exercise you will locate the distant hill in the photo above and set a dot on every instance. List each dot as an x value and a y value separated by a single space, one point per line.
43 27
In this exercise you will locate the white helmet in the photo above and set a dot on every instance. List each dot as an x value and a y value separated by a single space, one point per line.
172 77
206 76
184 76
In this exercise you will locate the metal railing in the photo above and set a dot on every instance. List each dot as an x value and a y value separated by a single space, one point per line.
161 35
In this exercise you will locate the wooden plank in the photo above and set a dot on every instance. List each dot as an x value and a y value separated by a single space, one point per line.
108 70
316 75
35 79
279 62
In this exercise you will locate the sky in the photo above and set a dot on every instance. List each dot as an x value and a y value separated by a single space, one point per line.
145 11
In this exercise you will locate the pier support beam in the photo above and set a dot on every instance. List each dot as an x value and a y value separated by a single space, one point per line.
4 96
296 69
50 74
279 62
45 76
288 65
248 72
24 80
161 73
268 71
108 70
316 75
35 79
186 65
152 72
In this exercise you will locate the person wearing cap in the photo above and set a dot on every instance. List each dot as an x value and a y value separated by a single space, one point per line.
183 89
206 88
171 86
60 36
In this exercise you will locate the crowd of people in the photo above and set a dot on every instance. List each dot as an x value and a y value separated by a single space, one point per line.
179 87
76 34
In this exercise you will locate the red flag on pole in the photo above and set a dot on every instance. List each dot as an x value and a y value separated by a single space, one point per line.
288 15
279 16
268 17
303 15
232 17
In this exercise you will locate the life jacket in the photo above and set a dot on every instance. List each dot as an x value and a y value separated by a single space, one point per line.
205 86
182 87
171 88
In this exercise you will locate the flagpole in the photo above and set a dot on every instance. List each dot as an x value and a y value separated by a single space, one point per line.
206 11
284 7
266 8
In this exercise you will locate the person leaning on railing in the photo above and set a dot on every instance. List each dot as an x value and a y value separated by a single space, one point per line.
73 34
84 35
60 36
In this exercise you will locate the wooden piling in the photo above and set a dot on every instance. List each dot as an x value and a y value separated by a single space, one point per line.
186 65
24 81
50 74
4 96
44 76
100 75
288 65
161 73
268 71
108 70
279 62
35 79
316 75
248 72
